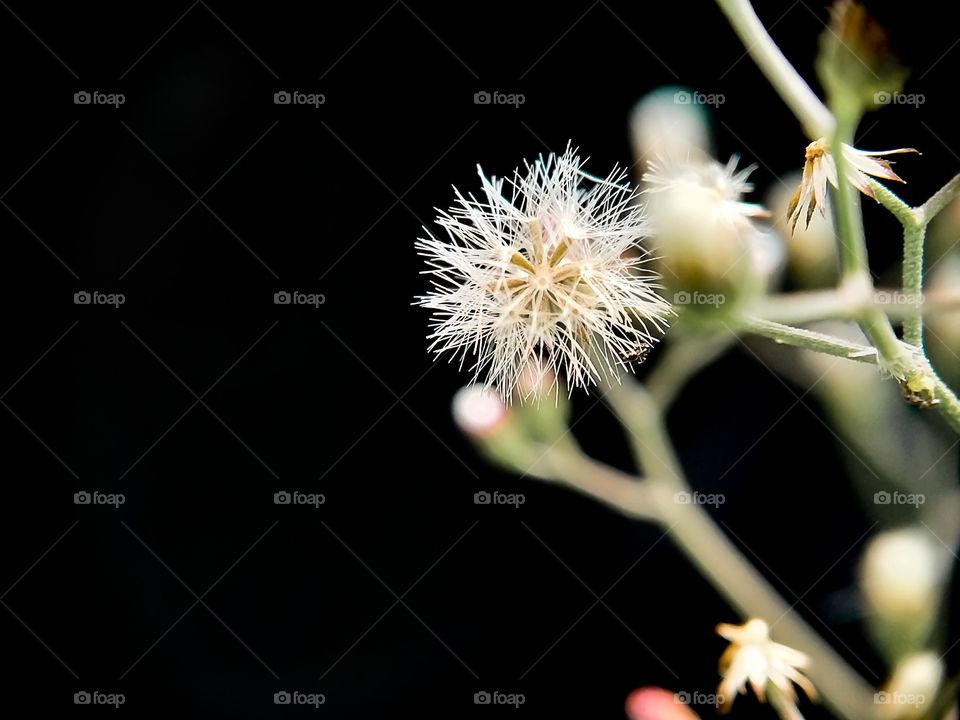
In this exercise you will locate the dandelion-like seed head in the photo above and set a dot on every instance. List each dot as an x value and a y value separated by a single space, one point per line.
545 267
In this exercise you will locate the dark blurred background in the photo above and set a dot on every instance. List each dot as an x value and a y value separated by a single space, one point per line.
199 398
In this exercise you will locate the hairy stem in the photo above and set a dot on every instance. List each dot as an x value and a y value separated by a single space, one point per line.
913 239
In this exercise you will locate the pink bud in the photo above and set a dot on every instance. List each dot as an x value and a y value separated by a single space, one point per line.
653 703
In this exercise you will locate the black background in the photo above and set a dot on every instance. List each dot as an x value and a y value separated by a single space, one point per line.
344 399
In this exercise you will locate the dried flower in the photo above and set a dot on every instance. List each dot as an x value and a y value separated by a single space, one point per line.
753 657
820 168
549 272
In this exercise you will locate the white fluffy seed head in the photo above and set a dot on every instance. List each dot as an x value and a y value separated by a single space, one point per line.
543 269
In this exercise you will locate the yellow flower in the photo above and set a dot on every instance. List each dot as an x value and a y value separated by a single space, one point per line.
821 168
753 657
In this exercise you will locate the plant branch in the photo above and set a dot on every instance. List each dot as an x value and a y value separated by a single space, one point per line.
721 562
809 339
796 93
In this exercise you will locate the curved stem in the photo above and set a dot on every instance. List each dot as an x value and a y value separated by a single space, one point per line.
722 563
943 197
949 405
803 102
680 361
622 492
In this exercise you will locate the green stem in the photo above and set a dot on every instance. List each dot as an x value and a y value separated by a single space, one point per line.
803 102
914 234
892 202
943 197
949 405
624 493
721 561
853 244
809 339
681 360
641 416
913 239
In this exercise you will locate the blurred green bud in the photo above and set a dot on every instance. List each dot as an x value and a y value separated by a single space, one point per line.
711 254
901 577
911 691
668 124
855 64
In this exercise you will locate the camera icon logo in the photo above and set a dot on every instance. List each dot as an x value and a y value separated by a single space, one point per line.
81 698
482 498
681 298
282 698
282 98
882 97
82 298
682 97
482 698
82 498
881 497
682 697
482 98
82 98
682 498
882 698
282 298
282 498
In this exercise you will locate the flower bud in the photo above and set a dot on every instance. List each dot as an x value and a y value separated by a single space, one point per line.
901 575
704 249
483 417
654 703
912 688
666 125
